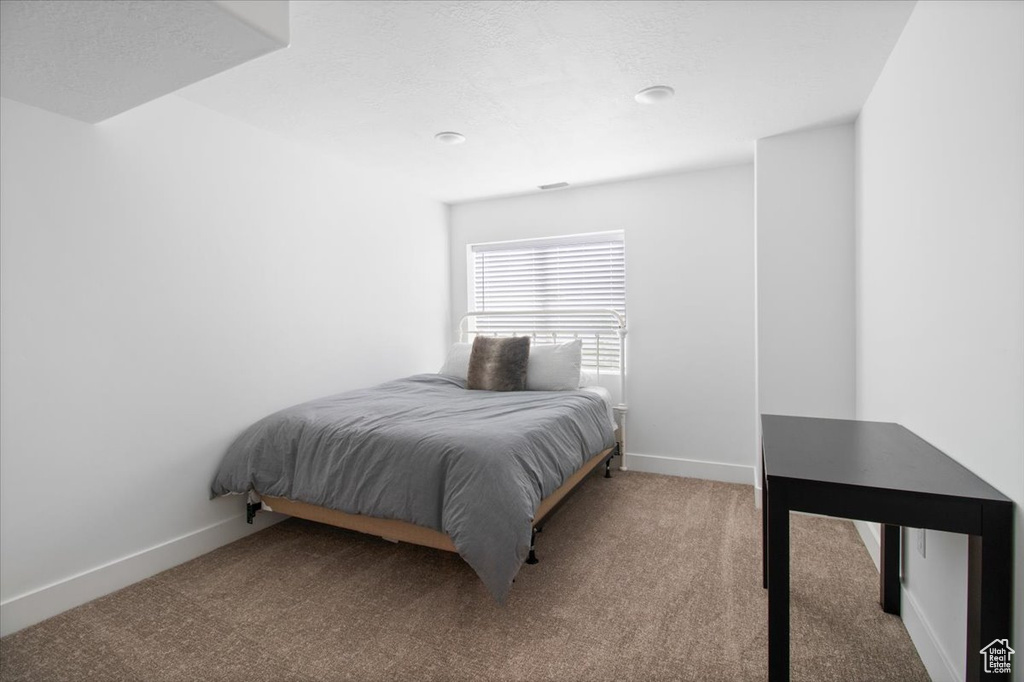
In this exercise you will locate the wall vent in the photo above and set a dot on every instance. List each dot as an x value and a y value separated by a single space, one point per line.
554 185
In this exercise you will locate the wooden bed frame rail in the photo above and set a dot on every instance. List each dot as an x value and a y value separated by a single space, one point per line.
403 531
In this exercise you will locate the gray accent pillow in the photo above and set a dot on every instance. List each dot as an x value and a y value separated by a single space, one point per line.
498 364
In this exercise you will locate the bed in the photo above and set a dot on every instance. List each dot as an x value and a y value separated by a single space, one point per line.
424 460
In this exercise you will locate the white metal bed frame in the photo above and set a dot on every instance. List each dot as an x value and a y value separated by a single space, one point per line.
615 327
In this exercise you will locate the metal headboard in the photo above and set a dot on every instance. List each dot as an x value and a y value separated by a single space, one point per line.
595 323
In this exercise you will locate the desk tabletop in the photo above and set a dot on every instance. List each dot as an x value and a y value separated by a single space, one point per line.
866 454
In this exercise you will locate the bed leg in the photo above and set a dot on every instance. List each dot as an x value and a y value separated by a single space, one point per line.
251 509
532 559
617 452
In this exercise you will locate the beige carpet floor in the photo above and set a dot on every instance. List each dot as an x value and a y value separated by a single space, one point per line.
642 577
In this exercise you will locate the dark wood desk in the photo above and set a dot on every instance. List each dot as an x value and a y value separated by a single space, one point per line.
882 472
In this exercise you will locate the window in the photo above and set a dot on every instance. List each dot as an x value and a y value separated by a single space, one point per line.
564 273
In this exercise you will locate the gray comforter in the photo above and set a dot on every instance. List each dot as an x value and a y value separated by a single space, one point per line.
472 464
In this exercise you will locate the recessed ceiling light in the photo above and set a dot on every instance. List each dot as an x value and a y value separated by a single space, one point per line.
655 93
448 137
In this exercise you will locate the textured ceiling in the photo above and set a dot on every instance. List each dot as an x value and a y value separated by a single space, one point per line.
544 90
92 60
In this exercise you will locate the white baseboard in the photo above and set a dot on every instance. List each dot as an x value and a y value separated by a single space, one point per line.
870 537
689 468
39 604
936 659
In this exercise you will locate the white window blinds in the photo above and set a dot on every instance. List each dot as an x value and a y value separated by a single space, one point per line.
579 272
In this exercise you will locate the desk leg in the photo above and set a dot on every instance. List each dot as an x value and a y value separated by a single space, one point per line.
889 576
764 525
989 580
778 584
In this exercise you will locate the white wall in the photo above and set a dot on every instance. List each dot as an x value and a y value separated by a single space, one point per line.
940 272
689 299
805 285
168 277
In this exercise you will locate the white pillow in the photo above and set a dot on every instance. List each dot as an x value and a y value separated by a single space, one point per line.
457 362
554 366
